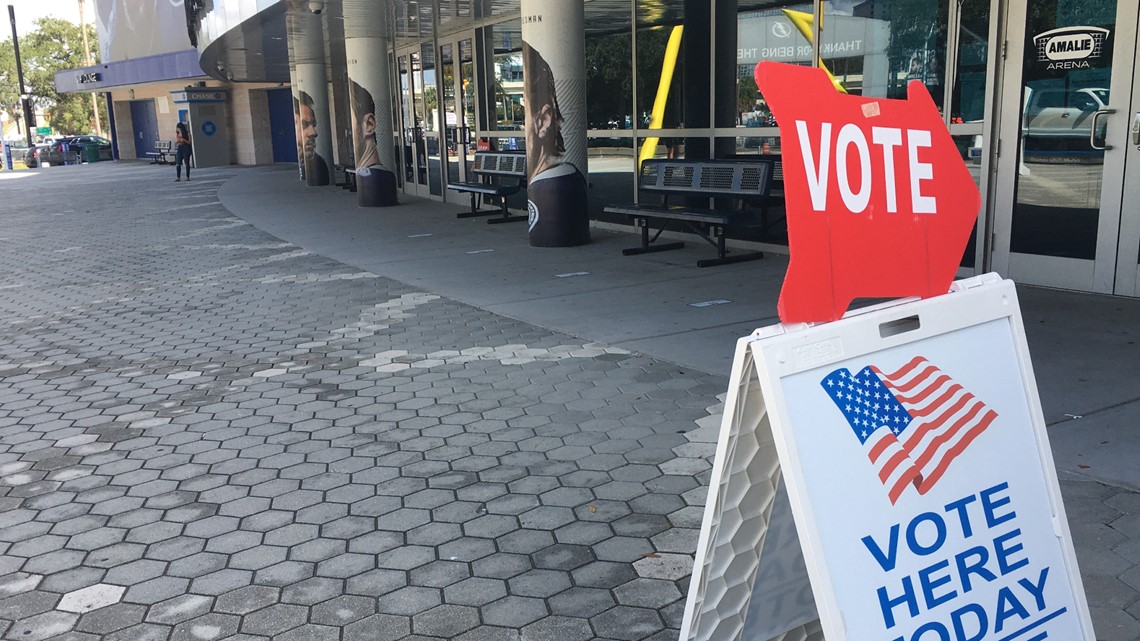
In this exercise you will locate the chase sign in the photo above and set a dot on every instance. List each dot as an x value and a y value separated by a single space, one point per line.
199 95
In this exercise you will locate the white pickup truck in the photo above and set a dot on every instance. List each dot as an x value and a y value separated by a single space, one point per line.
1061 114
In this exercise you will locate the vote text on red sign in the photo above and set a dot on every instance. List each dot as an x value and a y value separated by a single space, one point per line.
879 202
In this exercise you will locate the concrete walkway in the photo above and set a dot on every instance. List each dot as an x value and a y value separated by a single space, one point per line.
240 408
1085 348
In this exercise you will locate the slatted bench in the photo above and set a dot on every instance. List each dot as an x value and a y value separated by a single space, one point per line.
775 195
162 148
501 174
741 181
344 176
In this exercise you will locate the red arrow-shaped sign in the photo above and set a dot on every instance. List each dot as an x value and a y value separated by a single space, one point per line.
879 201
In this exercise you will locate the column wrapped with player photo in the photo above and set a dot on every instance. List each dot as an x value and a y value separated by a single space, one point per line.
312 95
370 97
554 92
293 84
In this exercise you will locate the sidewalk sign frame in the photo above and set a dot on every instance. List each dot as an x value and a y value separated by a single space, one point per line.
757 448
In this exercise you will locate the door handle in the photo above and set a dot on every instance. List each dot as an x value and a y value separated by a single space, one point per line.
1092 131
1136 129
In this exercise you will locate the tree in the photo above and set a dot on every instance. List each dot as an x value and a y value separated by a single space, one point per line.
609 84
54 45
9 83
747 93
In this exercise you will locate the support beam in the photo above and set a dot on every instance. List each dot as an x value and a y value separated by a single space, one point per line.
312 90
554 89
366 46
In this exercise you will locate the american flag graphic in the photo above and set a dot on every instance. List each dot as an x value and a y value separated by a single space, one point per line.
912 422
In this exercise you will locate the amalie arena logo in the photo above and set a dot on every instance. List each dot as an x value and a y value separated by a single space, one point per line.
1071 47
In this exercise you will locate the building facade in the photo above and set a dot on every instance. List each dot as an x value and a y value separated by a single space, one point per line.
1040 95
152 76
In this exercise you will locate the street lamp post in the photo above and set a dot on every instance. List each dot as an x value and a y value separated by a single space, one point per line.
87 62
25 100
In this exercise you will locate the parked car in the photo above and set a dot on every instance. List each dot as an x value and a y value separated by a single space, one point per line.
54 154
104 145
1062 116
17 147
32 156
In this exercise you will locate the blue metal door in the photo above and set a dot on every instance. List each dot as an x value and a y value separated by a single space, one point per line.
144 120
283 131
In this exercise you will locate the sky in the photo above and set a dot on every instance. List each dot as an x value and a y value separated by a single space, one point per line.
28 11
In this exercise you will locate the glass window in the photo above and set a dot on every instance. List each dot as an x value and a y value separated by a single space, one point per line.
766 35
508 76
1060 176
768 223
467 82
612 178
875 48
412 20
427 97
408 116
427 109
969 97
652 59
970 146
609 81
661 75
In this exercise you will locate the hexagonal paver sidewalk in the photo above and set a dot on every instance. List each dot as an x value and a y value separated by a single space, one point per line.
207 432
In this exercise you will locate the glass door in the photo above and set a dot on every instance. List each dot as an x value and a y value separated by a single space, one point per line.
1067 92
411 135
1128 260
419 107
457 84
430 172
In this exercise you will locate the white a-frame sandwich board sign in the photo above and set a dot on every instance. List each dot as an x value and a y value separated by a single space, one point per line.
912 445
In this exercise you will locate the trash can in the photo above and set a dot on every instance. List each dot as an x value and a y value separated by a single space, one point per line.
91 152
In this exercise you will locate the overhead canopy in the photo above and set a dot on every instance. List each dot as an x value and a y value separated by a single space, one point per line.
247 40
180 65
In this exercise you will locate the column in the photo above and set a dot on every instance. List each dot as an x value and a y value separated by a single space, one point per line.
695 65
725 75
312 95
366 46
702 56
296 114
338 88
554 90
294 86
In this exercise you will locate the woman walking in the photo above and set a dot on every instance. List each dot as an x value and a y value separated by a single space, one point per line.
183 151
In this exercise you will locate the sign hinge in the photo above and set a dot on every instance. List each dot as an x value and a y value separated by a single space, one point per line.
973 282
1004 49
781 329
997 148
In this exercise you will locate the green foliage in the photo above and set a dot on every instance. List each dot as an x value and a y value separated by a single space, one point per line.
55 45
747 93
918 43
609 82
9 83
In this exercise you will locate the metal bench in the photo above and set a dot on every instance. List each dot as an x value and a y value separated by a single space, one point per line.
162 148
344 176
742 181
502 174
